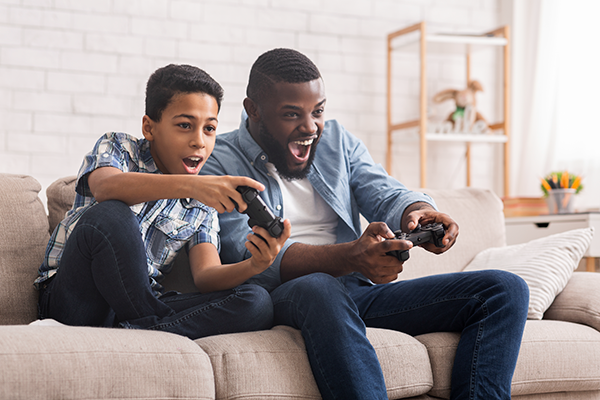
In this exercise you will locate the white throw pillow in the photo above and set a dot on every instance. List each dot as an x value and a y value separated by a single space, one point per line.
546 264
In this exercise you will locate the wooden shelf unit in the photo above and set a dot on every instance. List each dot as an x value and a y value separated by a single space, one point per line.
449 44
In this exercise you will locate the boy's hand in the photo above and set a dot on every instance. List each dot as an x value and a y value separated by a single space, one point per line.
264 248
219 192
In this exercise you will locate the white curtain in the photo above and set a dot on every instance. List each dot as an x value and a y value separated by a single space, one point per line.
556 95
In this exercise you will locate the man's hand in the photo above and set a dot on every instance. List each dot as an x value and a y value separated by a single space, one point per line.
368 253
424 214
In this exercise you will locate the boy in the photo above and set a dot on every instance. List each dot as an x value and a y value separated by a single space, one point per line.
331 280
138 203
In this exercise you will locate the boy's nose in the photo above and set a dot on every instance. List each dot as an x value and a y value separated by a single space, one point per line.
198 140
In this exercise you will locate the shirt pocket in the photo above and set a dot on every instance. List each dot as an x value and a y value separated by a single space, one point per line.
171 234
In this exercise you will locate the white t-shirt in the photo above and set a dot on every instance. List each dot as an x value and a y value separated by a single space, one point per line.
313 220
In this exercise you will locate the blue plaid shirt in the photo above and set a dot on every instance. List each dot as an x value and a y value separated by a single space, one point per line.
173 223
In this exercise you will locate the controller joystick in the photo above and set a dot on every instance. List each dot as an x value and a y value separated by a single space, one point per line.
258 212
431 233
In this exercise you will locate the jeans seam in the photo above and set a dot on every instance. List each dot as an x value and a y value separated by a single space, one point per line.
417 306
311 340
475 359
196 312
120 282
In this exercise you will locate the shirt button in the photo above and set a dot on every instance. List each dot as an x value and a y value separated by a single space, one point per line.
278 207
105 155
174 232
263 157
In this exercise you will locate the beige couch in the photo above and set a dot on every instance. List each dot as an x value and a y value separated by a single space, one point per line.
559 359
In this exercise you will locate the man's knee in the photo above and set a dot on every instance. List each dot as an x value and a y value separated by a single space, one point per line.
510 287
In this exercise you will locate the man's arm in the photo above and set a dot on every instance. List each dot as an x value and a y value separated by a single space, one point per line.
110 183
367 254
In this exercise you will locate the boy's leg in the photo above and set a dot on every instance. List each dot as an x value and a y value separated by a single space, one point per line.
489 308
341 357
104 269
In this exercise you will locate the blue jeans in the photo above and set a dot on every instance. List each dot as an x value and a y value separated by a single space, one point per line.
103 281
488 308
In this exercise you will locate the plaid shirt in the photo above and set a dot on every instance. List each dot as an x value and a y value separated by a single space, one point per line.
165 225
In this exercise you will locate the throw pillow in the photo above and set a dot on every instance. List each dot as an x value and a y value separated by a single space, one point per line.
546 264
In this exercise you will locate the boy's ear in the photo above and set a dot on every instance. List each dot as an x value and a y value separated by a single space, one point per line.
251 109
147 127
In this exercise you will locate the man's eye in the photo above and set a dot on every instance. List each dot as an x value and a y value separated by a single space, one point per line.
320 111
291 114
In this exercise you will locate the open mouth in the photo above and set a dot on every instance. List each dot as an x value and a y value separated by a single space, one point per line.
192 164
300 149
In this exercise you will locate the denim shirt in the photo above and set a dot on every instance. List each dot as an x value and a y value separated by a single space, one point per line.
343 173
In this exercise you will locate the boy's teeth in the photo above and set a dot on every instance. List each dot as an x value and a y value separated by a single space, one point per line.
194 158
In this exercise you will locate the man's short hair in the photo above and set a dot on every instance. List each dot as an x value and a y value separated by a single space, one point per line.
279 65
173 79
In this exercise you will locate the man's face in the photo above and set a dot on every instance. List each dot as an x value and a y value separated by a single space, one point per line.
291 124
185 136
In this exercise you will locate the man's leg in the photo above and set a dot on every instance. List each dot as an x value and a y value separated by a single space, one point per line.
341 357
489 308
103 281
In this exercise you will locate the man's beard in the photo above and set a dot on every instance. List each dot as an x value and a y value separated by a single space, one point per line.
277 155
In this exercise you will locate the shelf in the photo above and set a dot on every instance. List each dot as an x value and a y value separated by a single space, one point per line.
466 137
416 39
452 44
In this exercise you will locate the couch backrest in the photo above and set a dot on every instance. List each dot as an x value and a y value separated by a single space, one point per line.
478 213
23 239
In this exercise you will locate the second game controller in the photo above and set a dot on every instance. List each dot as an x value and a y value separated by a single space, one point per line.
259 213
432 233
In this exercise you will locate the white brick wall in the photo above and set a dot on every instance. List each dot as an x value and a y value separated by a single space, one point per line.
72 69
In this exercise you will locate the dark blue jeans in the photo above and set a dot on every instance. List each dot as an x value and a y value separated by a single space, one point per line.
488 308
103 281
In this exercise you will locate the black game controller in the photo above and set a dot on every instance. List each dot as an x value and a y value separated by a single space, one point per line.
259 213
432 233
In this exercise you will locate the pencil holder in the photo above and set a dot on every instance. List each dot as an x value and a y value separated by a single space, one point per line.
561 201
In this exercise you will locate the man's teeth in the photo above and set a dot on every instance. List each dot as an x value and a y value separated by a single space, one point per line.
307 142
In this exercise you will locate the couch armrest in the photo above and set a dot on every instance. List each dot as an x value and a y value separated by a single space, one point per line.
579 302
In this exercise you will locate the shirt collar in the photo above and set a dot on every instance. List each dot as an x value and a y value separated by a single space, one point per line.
248 145
146 156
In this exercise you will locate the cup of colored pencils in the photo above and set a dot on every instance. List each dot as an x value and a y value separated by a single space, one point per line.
559 189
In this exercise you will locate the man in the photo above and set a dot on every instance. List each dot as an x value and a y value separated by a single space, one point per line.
330 281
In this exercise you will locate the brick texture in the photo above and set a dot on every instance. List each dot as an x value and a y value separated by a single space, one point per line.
72 69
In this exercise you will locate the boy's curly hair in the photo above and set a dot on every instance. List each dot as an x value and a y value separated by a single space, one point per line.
173 79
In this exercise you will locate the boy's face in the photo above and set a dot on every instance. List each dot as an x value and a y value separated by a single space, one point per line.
185 136
291 123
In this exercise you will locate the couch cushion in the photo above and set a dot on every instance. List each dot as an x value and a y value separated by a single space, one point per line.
579 302
23 239
61 196
273 364
555 356
99 363
478 213
546 264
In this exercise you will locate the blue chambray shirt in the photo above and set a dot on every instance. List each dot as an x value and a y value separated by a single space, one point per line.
166 225
343 173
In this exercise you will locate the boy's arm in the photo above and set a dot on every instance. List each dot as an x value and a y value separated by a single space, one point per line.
109 183
210 275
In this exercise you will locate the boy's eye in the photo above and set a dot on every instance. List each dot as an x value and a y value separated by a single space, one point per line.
185 125
210 128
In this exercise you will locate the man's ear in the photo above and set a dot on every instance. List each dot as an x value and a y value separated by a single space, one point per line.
147 127
251 109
